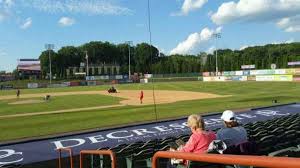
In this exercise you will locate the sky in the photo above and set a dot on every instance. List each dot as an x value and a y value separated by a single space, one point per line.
178 26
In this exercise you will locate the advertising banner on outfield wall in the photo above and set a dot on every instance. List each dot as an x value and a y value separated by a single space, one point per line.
207 79
226 73
91 83
32 85
238 73
246 73
283 78
228 78
265 72
251 78
280 71
214 78
253 72
265 78
206 74
290 71
297 71
274 78
296 79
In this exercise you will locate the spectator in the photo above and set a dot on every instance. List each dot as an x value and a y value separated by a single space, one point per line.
232 134
200 139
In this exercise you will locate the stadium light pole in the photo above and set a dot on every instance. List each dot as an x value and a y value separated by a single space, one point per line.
87 63
217 36
50 47
129 45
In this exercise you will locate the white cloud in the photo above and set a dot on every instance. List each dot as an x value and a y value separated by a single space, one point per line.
6 3
245 46
290 41
26 24
66 21
5 6
194 41
211 50
259 11
290 24
190 5
91 7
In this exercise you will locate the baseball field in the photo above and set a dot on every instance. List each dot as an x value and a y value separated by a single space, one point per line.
82 108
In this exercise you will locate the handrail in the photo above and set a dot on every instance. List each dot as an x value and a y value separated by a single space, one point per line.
70 153
260 161
98 152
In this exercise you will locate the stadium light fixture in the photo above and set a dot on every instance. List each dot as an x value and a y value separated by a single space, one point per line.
129 45
217 36
50 47
87 63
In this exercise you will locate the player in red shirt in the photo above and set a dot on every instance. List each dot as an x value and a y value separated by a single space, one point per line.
141 96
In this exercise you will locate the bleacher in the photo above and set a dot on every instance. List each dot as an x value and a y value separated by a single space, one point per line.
276 137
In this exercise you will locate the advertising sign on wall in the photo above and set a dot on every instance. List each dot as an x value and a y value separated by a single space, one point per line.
246 73
274 78
253 72
207 79
248 67
280 71
297 71
205 73
214 78
91 83
283 78
265 78
251 78
290 71
296 79
239 73
293 63
32 85
119 76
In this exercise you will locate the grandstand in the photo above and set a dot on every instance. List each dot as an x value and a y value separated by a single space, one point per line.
275 130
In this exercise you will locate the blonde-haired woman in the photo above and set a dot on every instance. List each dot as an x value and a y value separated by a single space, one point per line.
200 139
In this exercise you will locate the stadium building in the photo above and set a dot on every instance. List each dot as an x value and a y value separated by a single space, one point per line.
94 70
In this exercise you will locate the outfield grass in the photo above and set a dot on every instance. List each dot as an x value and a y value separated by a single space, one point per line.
56 103
244 95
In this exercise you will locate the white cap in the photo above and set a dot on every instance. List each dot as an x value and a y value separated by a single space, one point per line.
228 116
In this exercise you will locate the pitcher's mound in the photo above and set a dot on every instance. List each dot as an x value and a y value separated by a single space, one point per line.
161 96
31 101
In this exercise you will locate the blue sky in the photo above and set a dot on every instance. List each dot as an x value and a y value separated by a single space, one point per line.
178 26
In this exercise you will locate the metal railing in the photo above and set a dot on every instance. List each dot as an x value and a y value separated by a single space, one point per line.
260 161
69 150
98 152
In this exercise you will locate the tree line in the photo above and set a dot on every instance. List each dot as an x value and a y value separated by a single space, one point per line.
159 63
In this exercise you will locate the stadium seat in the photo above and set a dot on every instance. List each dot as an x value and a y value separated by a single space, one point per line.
287 152
142 159
272 135
266 144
